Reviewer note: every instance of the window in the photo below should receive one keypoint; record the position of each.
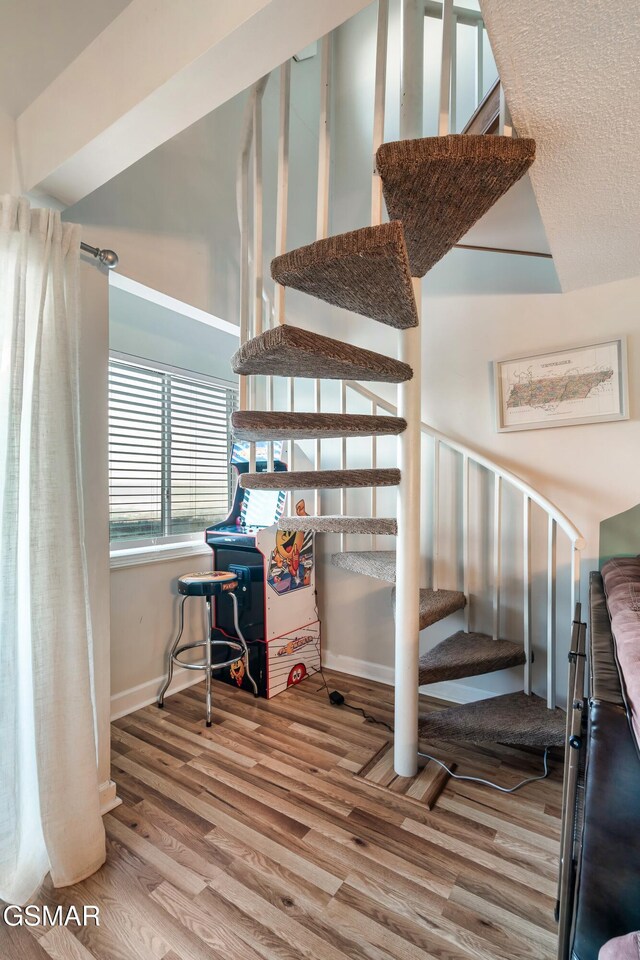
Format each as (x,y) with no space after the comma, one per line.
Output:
(169,470)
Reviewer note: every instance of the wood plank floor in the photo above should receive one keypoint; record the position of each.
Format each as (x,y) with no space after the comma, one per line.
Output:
(254,840)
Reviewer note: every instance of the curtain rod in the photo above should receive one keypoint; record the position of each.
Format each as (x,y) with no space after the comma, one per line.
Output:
(107,257)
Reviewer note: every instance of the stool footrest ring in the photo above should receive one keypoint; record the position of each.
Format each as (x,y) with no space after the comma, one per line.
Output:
(234,644)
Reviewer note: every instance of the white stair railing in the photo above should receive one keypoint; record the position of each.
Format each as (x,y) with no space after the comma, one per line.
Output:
(549,522)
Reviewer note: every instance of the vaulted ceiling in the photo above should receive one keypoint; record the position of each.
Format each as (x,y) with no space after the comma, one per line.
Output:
(39,39)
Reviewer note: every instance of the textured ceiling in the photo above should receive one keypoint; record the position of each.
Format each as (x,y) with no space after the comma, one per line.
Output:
(571,73)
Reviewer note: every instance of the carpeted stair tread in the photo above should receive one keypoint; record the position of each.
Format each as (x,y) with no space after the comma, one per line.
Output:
(513,718)
(341,524)
(319,479)
(365,271)
(436,604)
(288,351)
(263,425)
(468,655)
(380,564)
(440,186)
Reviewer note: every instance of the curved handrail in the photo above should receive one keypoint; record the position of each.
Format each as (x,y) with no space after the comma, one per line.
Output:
(550,508)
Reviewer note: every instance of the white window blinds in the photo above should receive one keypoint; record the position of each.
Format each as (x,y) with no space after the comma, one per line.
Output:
(168,452)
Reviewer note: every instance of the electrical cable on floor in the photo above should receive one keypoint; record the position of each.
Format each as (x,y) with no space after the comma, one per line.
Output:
(489,783)
(336,699)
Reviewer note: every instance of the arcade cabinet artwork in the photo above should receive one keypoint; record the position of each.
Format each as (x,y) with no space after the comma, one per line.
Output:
(276,597)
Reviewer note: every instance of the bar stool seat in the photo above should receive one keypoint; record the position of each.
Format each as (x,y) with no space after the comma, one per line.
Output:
(211,584)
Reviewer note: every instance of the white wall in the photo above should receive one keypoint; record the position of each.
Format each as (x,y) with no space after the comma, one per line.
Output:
(9,181)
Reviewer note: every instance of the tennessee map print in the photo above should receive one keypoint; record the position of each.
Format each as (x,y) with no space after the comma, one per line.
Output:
(581,384)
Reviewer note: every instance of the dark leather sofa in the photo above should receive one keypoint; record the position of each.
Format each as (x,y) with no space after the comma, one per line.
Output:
(607,885)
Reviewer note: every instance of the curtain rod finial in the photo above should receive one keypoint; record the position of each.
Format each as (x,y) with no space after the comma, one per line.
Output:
(109,258)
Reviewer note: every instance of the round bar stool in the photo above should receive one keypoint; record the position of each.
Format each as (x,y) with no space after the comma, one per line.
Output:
(209,585)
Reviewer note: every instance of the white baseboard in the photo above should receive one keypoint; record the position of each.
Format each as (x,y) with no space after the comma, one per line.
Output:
(145,693)
(454,692)
(358,668)
(108,798)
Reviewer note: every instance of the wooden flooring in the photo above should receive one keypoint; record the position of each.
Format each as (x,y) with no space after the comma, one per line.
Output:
(254,840)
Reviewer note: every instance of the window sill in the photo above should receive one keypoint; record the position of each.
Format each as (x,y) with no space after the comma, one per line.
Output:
(140,556)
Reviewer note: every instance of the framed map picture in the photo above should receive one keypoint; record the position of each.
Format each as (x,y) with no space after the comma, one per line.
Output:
(583,384)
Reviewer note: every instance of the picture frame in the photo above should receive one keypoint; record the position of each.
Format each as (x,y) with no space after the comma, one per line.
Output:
(587,383)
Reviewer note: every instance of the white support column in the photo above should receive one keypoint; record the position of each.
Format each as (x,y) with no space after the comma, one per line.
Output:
(407,631)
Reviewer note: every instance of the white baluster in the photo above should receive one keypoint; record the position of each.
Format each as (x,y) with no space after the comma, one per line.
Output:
(374,466)
(497,552)
(479,62)
(283,180)
(465,540)
(526,584)
(551,613)
(343,461)
(445,68)
(379,106)
(322,212)
(435,548)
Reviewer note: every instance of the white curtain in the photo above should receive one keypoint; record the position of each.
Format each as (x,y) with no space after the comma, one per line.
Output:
(49,799)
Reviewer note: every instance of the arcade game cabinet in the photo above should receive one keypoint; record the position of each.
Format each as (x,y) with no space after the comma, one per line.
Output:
(276,570)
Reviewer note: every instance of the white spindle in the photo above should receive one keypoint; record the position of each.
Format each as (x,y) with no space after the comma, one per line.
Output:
(379,106)
(374,466)
(292,446)
(283,180)
(551,613)
(505,125)
(343,460)
(435,549)
(575,576)
(445,68)
(479,62)
(407,630)
(454,76)
(257,217)
(244,266)
(465,539)
(497,552)
(322,211)
(526,586)
(317,452)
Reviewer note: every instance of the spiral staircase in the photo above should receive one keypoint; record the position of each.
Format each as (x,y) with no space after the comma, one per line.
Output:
(435,189)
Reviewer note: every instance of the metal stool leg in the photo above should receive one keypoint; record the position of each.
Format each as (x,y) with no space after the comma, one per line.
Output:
(209,650)
(171,653)
(243,643)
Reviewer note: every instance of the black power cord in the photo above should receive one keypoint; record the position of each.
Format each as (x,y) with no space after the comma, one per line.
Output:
(336,699)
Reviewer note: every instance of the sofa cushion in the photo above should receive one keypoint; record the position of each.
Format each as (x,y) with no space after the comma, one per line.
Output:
(621,577)
(622,948)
